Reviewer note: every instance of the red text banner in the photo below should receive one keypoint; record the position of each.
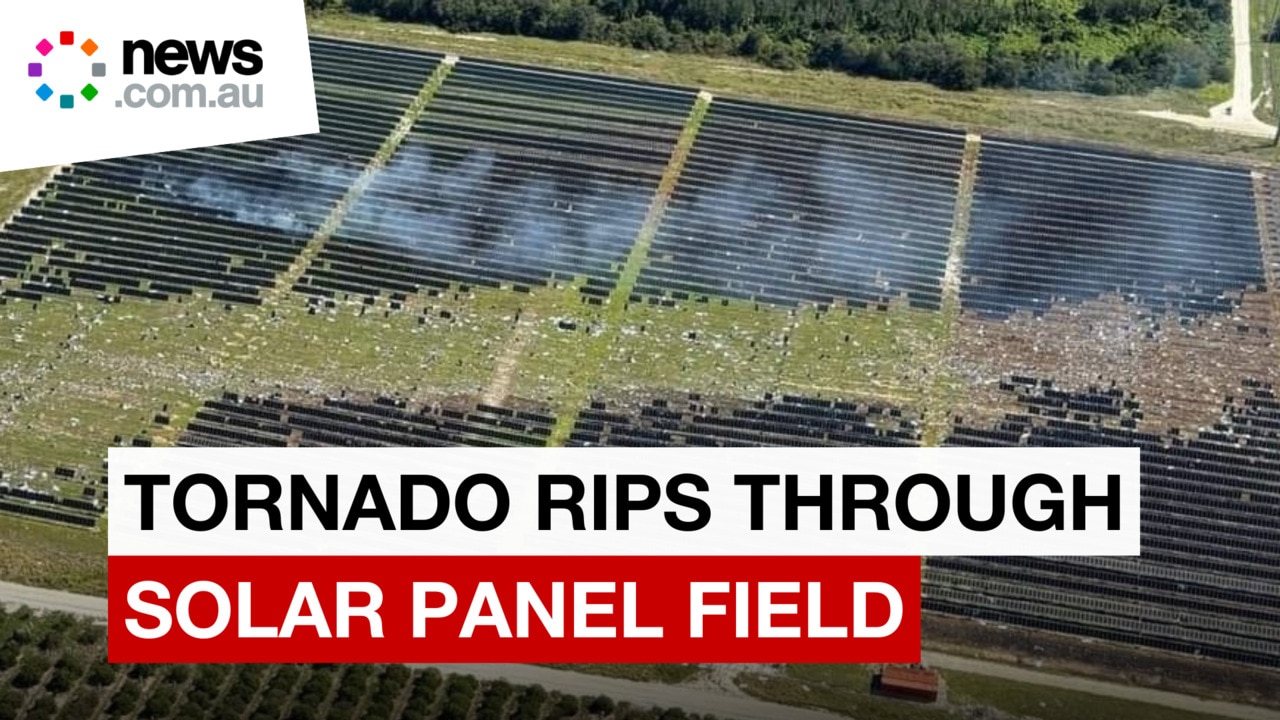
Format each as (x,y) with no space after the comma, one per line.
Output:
(514,609)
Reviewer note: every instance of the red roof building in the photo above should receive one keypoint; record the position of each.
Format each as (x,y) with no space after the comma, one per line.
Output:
(909,683)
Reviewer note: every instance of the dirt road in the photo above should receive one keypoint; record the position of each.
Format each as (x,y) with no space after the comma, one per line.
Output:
(1235,115)
(12,595)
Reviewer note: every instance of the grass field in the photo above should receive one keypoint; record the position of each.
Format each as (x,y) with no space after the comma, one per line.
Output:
(1051,703)
(16,186)
(37,553)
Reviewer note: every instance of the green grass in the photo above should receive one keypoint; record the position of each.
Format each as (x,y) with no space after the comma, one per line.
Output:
(739,349)
(842,689)
(62,558)
(128,361)
(16,186)
(1207,97)
(732,349)
(1018,113)
(442,346)
(136,357)
(1048,703)
(866,352)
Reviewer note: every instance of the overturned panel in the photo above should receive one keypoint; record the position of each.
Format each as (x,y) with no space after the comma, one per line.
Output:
(1066,225)
(512,176)
(224,219)
(789,207)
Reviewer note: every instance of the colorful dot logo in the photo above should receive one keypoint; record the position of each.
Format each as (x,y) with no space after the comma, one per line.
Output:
(66,38)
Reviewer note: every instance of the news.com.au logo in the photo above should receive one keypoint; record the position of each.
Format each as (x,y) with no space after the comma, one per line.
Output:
(66,38)
(178,59)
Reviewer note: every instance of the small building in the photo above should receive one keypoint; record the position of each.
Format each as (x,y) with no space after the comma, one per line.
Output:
(908,683)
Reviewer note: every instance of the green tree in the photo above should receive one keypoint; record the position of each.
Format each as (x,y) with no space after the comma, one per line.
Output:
(81,705)
(958,44)
(125,700)
(44,708)
(600,706)
(31,671)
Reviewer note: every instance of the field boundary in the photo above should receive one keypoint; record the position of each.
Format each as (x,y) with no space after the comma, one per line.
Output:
(939,398)
(968,180)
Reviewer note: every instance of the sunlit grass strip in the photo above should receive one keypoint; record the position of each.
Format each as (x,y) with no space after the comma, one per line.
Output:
(595,350)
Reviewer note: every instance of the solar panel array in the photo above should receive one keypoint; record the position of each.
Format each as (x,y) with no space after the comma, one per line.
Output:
(512,176)
(789,207)
(1208,579)
(82,511)
(225,219)
(1054,224)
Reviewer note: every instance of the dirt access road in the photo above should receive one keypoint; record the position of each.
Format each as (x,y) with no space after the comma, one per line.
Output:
(1235,115)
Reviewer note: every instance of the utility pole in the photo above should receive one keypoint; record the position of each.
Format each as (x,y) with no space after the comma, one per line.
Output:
(1271,66)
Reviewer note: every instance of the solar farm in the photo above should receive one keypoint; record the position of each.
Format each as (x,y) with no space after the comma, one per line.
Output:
(478,253)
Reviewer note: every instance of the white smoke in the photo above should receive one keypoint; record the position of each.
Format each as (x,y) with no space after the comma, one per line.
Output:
(490,212)
(291,190)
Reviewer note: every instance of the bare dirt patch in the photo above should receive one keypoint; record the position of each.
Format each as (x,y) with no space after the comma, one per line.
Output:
(1180,368)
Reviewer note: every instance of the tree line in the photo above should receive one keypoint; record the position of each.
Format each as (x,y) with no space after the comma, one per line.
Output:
(1095,46)
(54,667)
